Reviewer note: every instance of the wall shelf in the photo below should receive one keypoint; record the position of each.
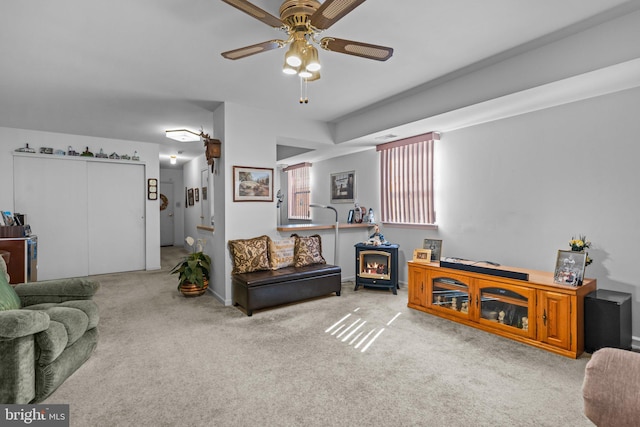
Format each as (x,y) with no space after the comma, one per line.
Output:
(303,227)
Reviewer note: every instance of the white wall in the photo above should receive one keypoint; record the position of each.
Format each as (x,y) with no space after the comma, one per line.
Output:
(249,139)
(515,191)
(11,139)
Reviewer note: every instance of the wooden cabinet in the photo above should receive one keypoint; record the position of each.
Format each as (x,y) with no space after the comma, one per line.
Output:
(537,311)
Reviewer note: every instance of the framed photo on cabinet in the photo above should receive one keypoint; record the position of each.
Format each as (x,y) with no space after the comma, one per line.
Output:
(569,268)
(436,248)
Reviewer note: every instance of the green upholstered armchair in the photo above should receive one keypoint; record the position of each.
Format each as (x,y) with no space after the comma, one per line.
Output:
(45,335)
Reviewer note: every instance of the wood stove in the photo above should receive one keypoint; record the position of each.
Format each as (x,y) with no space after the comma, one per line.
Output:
(377,266)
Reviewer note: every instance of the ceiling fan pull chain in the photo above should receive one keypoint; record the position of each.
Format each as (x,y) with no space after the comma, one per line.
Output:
(303,91)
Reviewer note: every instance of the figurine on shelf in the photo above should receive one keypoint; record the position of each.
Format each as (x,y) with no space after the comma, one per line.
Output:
(25,149)
(525,323)
(454,303)
(135,157)
(87,153)
(377,238)
(501,316)
(464,307)
(72,152)
(102,154)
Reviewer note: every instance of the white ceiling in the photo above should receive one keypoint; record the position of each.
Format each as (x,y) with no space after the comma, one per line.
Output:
(129,70)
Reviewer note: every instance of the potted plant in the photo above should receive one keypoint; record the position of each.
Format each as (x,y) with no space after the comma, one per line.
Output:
(193,270)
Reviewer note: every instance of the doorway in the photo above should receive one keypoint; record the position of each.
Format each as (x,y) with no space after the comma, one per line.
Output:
(167,218)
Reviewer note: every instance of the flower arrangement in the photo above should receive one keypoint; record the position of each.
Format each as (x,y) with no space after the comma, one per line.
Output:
(579,245)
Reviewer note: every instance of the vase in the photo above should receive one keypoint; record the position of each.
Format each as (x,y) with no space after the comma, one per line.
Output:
(191,290)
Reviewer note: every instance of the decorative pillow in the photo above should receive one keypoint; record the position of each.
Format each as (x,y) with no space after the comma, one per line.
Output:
(281,252)
(9,300)
(249,254)
(308,250)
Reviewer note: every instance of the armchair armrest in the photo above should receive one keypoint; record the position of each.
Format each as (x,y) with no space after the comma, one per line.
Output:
(21,323)
(56,291)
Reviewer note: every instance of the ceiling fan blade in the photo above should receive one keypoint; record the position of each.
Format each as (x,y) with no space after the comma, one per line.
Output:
(365,50)
(243,52)
(332,11)
(253,10)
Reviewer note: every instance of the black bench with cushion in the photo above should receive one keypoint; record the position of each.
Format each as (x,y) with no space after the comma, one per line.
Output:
(269,272)
(268,288)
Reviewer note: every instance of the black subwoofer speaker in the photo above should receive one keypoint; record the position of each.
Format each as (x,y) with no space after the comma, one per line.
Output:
(607,320)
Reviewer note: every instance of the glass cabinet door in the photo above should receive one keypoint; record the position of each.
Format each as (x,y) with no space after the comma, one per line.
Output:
(507,307)
(451,295)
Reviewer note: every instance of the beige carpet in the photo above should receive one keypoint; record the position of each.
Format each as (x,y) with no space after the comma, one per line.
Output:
(164,360)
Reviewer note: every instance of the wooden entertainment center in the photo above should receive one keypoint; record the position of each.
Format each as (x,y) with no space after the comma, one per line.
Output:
(536,311)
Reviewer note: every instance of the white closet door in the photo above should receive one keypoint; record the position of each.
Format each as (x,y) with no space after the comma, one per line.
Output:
(116,217)
(53,194)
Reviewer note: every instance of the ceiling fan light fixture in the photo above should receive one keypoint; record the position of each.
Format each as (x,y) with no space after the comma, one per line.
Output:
(295,53)
(305,74)
(311,57)
(288,69)
(182,135)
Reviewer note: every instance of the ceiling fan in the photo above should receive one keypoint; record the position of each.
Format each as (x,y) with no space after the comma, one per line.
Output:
(303,21)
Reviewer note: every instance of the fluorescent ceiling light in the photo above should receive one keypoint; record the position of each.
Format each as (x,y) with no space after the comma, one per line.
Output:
(183,135)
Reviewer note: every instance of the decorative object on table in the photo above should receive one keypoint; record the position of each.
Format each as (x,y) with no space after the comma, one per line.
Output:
(135,156)
(59,153)
(422,255)
(125,157)
(343,187)
(152,189)
(252,184)
(579,245)
(72,152)
(569,268)
(114,156)
(350,216)
(25,149)
(86,153)
(436,248)
(102,155)
(46,150)
(370,217)
(193,270)
(377,238)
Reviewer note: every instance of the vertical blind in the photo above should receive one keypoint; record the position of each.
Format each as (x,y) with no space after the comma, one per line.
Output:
(299,191)
(406,180)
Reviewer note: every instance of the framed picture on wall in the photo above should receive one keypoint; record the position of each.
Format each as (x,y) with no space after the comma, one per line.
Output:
(204,193)
(343,187)
(251,184)
(190,195)
(197,194)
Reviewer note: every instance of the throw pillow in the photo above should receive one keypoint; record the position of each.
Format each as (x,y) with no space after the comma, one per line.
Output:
(9,300)
(249,254)
(308,250)
(281,252)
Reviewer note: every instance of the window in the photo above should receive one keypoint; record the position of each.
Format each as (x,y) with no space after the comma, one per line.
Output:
(299,191)
(406,180)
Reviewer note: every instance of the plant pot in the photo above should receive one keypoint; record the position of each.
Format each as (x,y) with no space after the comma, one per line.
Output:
(191,290)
